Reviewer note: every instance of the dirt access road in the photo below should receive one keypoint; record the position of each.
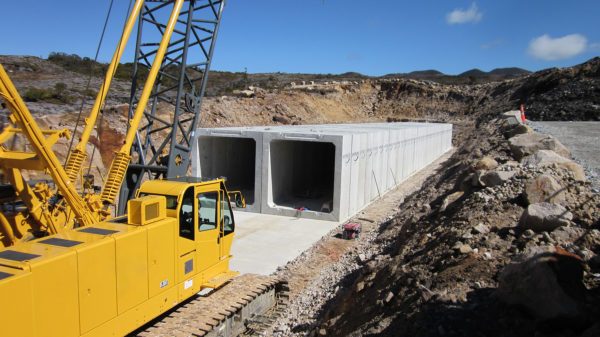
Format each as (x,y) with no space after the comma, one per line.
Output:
(582,138)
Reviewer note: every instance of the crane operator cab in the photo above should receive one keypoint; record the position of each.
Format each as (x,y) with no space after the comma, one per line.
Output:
(206,224)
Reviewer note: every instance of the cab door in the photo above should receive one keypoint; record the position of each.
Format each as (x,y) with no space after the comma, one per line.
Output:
(208,241)
(227,226)
(186,245)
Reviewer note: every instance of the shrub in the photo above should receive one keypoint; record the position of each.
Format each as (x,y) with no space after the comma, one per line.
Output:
(58,94)
(36,94)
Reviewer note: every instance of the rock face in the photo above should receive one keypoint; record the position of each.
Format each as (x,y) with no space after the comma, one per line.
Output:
(548,285)
(545,216)
(529,143)
(544,188)
(548,158)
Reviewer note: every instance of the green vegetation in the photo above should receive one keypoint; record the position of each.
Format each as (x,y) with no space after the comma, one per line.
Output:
(85,65)
(78,64)
(87,92)
(58,94)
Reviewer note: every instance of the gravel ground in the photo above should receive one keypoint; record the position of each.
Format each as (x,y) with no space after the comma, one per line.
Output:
(582,138)
(316,275)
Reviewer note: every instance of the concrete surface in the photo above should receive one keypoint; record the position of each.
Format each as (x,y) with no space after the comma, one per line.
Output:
(326,172)
(582,139)
(264,242)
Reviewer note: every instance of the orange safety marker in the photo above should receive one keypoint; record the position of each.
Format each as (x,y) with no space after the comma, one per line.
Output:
(523,119)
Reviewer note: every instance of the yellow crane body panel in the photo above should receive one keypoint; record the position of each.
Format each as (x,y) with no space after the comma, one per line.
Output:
(113,277)
(16,287)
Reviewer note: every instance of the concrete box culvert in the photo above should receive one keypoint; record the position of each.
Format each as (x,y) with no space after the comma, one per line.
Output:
(303,174)
(234,154)
(327,172)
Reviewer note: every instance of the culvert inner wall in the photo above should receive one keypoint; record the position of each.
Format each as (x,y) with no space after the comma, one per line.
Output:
(302,174)
(234,158)
(293,174)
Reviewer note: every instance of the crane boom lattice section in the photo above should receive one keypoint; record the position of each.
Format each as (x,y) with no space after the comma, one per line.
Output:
(162,146)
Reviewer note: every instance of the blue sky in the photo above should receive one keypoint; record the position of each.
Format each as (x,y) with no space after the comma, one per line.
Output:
(333,36)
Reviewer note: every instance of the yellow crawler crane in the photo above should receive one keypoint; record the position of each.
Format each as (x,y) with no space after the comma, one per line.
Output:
(46,210)
(43,212)
(98,277)
(112,277)
(49,211)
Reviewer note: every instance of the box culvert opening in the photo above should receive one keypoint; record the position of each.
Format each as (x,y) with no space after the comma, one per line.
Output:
(230,157)
(302,174)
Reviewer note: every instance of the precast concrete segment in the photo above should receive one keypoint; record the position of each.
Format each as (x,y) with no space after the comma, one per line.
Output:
(329,171)
(234,153)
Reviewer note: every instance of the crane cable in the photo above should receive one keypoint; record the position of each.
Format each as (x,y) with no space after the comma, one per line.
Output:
(87,87)
(102,115)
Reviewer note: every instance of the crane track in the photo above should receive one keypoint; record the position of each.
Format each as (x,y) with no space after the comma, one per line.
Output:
(245,306)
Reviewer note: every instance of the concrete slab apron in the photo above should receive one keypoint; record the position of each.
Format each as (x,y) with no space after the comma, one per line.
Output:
(264,242)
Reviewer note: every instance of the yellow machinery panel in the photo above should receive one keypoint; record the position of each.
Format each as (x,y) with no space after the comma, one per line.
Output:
(97,279)
(17,302)
(187,268)
(136,317)
(56,308)
(146,210)
(161,249)
(132,269)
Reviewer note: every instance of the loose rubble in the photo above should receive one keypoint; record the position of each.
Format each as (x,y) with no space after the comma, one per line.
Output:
(492,246)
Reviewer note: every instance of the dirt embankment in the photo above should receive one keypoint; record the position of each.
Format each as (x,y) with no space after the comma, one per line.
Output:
(477,251)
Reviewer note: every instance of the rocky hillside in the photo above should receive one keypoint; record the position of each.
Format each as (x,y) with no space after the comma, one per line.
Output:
(473,76)
(552,94)
(504,241)
(59,85)
(56,95)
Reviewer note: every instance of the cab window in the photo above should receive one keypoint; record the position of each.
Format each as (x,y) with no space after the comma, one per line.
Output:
(186,215)
(207,214)
(226,215)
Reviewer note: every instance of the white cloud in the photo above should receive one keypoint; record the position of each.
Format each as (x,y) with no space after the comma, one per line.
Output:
(458,16)
(548,48)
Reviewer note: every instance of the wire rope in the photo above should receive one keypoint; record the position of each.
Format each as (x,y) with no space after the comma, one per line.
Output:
(87,87)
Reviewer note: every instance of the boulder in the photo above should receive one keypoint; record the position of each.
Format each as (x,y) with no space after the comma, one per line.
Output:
(486,163)
(481,228)
(451,198)
(566,235)
(281,119)
(548,158)
(462,248)
(549,286)
(244,93)
(512,117)
(545,216)
(495,178)
(518,129)
(529,143)
(544,188)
